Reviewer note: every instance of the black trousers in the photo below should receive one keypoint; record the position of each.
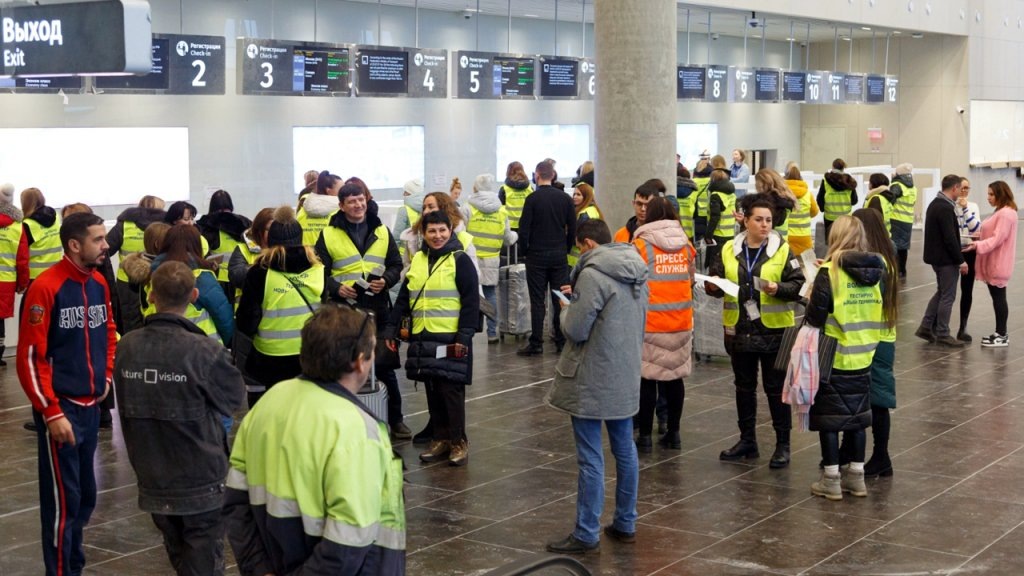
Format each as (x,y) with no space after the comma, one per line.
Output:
(545,272)
(672,391)
(1001,309)
(446,402)
(967,290)
(853,440)
(194,543)
(745,367)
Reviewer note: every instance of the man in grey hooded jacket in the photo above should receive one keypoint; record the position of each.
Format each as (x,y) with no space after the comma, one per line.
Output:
(597,379)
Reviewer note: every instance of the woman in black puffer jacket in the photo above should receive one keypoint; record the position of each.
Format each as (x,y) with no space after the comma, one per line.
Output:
(846,301)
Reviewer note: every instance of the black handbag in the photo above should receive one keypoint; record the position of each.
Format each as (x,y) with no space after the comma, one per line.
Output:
(826,350)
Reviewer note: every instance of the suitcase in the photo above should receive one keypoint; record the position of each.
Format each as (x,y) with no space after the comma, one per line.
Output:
(708,335)
(374,395)
(513,298)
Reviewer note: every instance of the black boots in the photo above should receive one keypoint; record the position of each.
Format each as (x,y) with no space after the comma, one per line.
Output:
(881,424)
(671,440)
(745,448)
(878,465)
(644,444)
(780,458)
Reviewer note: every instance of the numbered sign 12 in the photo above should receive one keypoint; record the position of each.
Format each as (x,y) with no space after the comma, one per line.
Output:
(428,73)
(741,84)
(815,87)
(716,89)
(474,75)
(196,63)
(588,79)
(892,85)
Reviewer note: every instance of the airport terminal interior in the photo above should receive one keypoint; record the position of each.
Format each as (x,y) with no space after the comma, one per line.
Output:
(932,83)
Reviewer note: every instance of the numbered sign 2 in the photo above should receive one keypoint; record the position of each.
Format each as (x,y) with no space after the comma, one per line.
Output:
(196,64)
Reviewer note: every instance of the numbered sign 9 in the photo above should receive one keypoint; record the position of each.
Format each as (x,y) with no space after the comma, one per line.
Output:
(834,88)
(474,75)
(588,79)
(892,85)
(428,73)
(815,87)
(741,84)
(196,64)
(717,86)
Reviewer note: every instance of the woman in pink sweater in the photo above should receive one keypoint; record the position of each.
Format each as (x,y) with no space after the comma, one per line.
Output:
(997,250)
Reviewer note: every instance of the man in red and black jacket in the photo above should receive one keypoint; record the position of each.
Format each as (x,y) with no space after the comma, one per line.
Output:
(66,347)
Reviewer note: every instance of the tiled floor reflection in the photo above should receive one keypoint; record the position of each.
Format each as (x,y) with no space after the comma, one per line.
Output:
(955,504)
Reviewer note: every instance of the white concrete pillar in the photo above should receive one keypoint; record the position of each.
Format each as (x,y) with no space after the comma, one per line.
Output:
(635,102)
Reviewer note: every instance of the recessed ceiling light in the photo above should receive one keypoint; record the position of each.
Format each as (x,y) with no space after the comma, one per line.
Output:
(868,28)
(896,32)
(917,35)
(530,16)
(790,39)
(845,38)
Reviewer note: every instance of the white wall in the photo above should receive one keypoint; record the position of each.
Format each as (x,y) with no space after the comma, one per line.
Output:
(243,143)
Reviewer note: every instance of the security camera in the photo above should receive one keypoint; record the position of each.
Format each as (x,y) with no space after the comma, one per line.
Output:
(467,13)
(753,22)
(714,36)
(960,110)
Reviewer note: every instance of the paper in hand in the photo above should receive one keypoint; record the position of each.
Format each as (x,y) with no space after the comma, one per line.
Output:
(726,285)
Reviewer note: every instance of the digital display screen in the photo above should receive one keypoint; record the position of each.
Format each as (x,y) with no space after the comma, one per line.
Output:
(157,79)
(42,83)
(741,84)
(382,71)
(320,71)
(559,77)
(874,89)
(691,82)
(717,84)
(766,85)
(794,86)
(512,77)
(853,88)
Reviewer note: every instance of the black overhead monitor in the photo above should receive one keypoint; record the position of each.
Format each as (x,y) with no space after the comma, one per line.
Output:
(382,72)
(691,82)
(156,80)
(559,77)
(853,88)
(794,86)
(874,89)
(766,85)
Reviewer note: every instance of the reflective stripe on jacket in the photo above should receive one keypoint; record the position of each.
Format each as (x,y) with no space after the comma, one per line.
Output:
(285,309)
(670,304)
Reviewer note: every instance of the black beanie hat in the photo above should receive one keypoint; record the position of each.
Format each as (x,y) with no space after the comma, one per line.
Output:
(285,234)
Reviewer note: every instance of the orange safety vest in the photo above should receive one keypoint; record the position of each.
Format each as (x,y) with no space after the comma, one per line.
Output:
(670,308)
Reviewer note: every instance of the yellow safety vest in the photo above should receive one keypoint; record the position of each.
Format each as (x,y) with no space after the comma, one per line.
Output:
(726,223)
(574,253)
(414,218)
(436,310)
(856,321)
(347,265)
(837,202)
(799,220)
(10,240)
(702,196)
(131,242)
(686,213)
(488,230)
(204,245)
(775,313)
(312,226)
(783,229)
(249,251)
(903,209)
(285,310)
(45,249)
(225,250)
(887,211)
(514,201)
(199,317)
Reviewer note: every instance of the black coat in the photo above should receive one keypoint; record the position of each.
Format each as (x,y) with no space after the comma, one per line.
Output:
(844,401)
(752,335)
(379,303)
(234,225)
(942,234)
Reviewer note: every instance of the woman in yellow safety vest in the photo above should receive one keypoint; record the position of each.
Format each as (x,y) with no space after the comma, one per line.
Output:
(586,209)
(138,266)
(211,311)
(758,261)
(668,334)
(487,223)
(721,214)
(41,232)
(441,298)
(255,241)
(701,197)
(411,240)
(282,290)
(182,212)
(770,183)
(318,207)
(801,234)
(846,302)
(223,230)
(125,238)
(881,199)
(514,192)
(883,381)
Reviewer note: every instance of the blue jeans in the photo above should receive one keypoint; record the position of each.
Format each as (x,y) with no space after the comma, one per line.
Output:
(590,491)
(491,295)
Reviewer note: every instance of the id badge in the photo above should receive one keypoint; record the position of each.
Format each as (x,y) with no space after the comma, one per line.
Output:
(752,311)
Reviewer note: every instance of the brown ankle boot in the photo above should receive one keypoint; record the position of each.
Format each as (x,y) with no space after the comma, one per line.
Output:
(459,455)
(437,451)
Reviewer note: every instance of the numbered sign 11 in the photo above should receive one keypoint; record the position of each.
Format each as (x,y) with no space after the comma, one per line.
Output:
(834,84)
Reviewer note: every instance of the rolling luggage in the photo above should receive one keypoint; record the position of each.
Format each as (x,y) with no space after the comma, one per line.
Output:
(374,395)
(513,298)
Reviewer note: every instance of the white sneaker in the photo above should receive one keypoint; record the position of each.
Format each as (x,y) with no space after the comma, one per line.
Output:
(995,341)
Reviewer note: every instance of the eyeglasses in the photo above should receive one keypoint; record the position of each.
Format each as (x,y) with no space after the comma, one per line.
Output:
(640,204)
(362,330)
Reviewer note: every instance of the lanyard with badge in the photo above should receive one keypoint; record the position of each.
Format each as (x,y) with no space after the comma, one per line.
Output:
(753,312)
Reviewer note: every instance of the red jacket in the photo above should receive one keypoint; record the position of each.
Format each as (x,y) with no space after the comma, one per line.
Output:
(66,339)
(8,289)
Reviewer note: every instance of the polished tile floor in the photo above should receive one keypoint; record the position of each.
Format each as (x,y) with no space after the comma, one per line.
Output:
(955,504)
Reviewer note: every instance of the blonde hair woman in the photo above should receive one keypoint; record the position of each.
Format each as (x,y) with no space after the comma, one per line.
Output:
(800,236)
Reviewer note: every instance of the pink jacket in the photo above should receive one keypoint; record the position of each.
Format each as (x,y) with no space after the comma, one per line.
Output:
(997,248)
